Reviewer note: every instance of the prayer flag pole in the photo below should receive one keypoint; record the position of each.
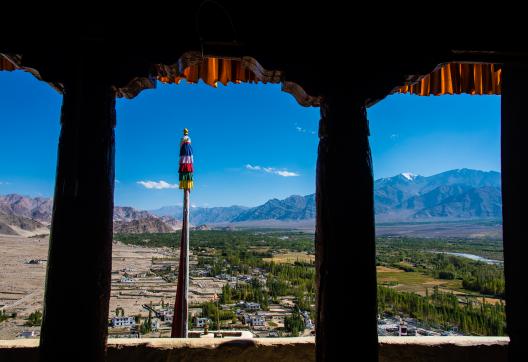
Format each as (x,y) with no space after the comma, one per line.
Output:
(181,307)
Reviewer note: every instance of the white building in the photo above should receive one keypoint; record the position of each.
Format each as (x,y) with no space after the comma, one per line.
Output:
(251,306)
(126,280)
(308,324)
(200,322)
(123,322)
(307,321)
(166,315)
(254,320)
(257,320)
(27,334)
(154,324)
(402,331)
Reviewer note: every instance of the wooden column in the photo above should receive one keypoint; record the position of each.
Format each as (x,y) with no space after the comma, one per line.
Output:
(514,156)
(345,250)
(77,293)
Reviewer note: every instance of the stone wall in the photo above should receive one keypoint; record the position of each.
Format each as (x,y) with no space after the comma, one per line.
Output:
(408,349)
(437,349)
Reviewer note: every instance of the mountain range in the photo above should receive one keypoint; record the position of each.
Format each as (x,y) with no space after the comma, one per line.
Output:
(23,215)
(452,195)
(202,215)
(291,208)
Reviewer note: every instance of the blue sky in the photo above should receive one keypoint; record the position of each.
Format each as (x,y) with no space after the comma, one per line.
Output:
(251,142)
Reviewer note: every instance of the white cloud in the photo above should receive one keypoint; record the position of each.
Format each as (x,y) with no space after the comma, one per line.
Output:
(253,168)
(283,173)
(286,173)
(300,129)
(4,183)
(117,181)
(304,130)
(159,185)
(394,136)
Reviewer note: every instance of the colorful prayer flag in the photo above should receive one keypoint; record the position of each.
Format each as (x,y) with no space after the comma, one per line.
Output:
(186,169)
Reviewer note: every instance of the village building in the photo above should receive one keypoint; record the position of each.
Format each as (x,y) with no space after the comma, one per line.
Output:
(123,321)
(154,324)
(27,334)
(250,306)
(257,320)
(254,319)
(200,322)
(166,314)
(125,279)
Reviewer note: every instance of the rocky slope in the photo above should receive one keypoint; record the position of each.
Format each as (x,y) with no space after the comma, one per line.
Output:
(141,226)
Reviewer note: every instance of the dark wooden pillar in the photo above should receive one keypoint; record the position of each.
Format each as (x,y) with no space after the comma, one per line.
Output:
(345,241)
(77,293)
(514,156)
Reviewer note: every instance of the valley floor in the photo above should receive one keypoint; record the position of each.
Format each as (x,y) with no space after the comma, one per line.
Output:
(23,271)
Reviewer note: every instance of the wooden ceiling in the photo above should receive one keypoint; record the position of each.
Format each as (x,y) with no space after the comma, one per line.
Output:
(313,50)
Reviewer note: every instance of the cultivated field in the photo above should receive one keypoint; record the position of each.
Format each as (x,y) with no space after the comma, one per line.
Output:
(414,281)
(291,257)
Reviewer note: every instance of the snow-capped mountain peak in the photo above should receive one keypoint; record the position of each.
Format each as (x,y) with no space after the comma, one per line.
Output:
(408,175)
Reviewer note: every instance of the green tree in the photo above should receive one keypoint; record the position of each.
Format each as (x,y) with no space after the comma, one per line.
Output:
(3,316)
(294,323)
(226,296)
(146,326)
(34,319)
